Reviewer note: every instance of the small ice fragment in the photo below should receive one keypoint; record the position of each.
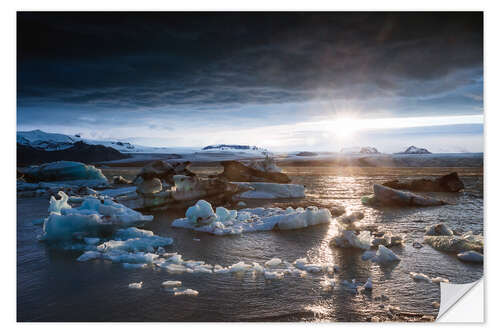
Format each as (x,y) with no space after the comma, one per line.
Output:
(313,268)
(368,285)
(439,279)
(171,284)
(241,204)
(420,277)
(239,267)
(160,250)
(202,269)
(384,256)
(258,268)
(135,285)
(175,268)
(273,275)
(328,283)
(273,262)
(187,292)
(176,259)
(220,269)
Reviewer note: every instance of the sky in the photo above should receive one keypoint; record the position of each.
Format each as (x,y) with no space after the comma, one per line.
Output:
(282,81)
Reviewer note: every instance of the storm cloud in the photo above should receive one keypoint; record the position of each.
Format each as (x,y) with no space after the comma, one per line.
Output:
(161,59)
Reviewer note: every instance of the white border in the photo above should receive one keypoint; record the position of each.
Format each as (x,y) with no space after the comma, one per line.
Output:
(8,109)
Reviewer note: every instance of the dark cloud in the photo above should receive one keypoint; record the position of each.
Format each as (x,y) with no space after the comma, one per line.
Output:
(151,60)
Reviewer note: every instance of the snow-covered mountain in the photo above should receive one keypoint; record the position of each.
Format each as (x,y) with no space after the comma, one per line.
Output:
(46,141)
(55,141)
(245,149)
(415,150)
(360,150)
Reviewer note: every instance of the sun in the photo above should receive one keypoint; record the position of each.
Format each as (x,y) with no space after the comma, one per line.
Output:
(345,127)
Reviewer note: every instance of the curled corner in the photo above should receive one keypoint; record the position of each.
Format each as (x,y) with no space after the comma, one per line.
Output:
(461,302)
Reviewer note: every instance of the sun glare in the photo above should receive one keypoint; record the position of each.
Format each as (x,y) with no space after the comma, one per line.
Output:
(345,127)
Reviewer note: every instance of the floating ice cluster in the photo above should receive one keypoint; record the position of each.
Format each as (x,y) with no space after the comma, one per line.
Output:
(91,218)
(201,217)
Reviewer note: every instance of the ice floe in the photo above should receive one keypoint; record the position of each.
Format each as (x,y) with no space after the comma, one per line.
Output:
(201,217)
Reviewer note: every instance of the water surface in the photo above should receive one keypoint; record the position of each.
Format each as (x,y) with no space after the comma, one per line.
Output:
(53,286)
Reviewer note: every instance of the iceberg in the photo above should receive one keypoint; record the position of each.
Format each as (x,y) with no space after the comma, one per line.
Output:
(61,171)
(201,217)
(91,218)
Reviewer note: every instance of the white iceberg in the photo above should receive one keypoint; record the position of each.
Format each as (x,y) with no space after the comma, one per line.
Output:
(201,217)
(201,213)
(384,256)
(91,217)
